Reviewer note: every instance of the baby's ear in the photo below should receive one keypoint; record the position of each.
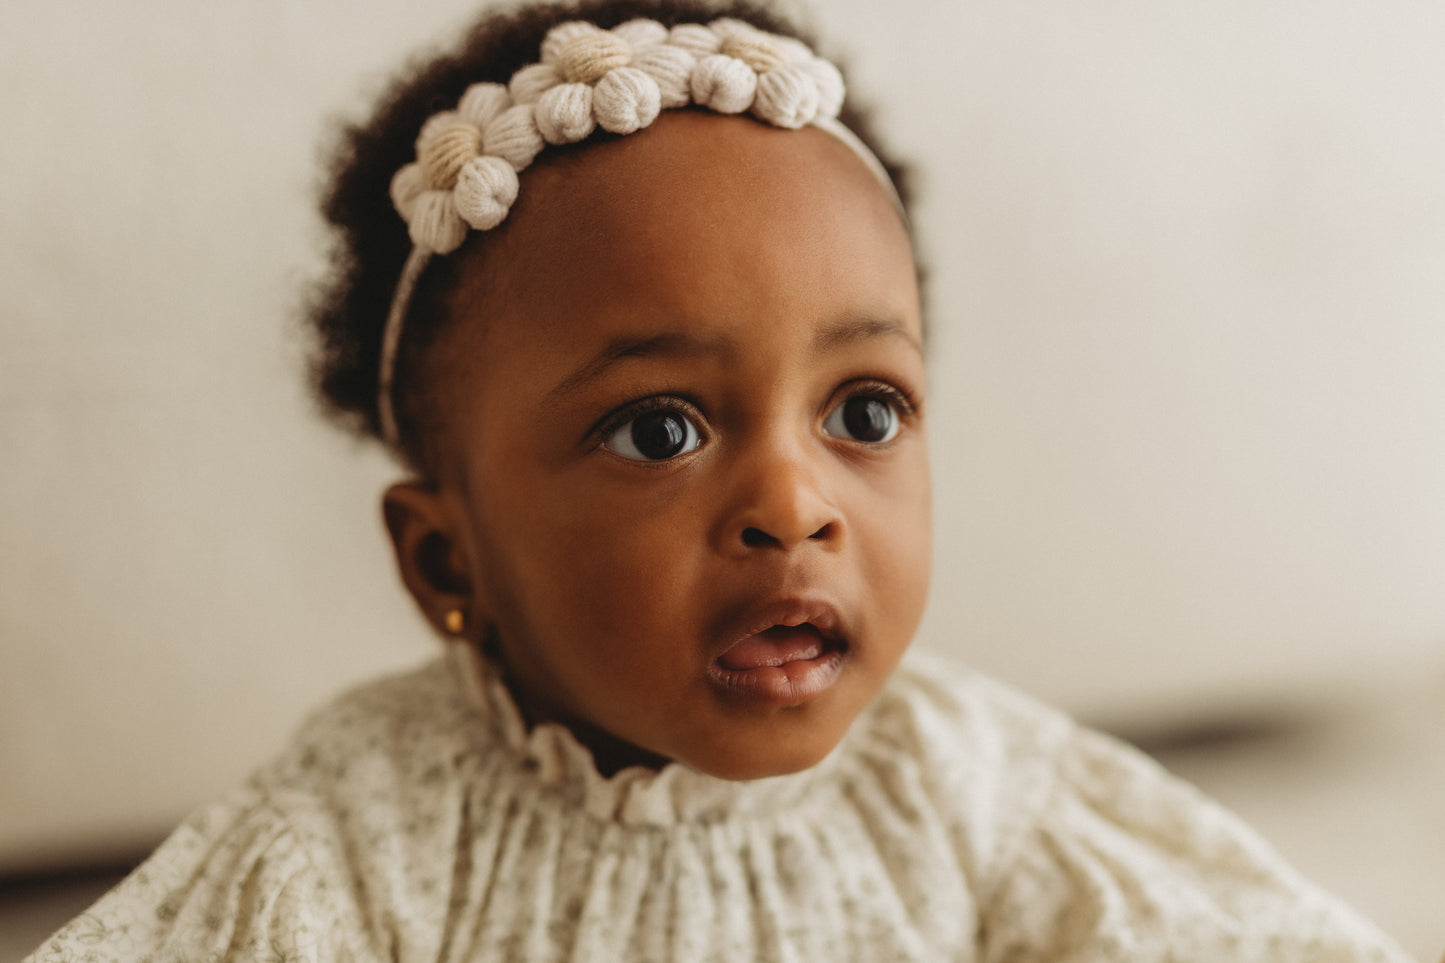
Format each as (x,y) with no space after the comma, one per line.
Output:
(429,555)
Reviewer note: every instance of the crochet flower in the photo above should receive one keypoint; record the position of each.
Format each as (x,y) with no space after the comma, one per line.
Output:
(465,174)
(618,79)
(741,68)
(466,169)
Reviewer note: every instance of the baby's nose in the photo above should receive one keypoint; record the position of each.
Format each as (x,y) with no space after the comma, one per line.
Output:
(780,503)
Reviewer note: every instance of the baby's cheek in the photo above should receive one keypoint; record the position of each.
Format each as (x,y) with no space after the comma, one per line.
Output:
(897,560)
(626,593)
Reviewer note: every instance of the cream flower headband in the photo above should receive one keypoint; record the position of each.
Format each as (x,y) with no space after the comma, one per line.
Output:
(467,159)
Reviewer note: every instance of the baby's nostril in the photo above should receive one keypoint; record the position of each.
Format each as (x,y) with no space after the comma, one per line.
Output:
(757,538)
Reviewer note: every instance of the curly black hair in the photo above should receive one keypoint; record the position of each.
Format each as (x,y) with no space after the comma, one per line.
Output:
(349,305)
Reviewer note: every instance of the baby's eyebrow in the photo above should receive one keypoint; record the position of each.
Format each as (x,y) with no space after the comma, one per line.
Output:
(687,344)
(673,344)
(850,330)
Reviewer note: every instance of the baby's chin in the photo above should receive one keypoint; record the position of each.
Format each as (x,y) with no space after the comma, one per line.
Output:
(762,755)
(738,759)
(745,746)
(762,766)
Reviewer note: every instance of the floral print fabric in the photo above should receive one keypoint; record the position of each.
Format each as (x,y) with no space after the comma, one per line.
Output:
(417,819)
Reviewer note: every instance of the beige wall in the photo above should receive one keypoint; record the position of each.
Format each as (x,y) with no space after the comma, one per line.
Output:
(1187,409)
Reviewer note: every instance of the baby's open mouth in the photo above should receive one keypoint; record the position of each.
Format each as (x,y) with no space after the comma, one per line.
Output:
(782,665)
(778,645)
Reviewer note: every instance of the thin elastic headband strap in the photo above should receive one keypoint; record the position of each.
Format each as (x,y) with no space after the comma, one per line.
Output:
(416,262)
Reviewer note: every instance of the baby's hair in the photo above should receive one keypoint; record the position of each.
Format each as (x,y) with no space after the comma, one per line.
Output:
(370,242)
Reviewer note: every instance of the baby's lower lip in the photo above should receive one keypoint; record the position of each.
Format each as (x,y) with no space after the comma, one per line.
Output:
(784,665)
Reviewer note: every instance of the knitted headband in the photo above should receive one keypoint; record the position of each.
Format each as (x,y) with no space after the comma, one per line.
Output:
(467,159)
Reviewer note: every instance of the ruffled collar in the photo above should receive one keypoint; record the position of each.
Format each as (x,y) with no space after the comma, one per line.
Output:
(550,755)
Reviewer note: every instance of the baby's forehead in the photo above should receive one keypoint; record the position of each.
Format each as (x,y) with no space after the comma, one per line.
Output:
(695,200)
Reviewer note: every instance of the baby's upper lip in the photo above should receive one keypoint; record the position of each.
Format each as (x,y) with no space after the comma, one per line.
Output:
(812,610)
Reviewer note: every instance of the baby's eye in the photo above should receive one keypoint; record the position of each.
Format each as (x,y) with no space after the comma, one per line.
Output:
(654,436)
(865,418)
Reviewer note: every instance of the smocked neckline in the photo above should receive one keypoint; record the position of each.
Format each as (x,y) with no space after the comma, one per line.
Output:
(550,756)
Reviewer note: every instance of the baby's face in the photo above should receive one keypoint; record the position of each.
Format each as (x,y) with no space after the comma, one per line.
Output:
(687,444)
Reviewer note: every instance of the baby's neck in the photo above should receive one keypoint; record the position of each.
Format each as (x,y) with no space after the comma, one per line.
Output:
(610,754)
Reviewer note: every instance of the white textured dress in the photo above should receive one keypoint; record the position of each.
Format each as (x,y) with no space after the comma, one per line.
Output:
(417,819)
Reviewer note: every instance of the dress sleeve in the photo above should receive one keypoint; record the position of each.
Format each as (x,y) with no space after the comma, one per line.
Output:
(1125,862)
(233,883)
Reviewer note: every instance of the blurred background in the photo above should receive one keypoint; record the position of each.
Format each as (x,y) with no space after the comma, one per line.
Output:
(1188,403)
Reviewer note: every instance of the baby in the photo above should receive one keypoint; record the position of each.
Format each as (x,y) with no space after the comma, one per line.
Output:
(627,290)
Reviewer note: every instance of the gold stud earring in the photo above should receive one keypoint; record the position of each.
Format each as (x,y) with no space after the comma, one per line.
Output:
(455,621)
